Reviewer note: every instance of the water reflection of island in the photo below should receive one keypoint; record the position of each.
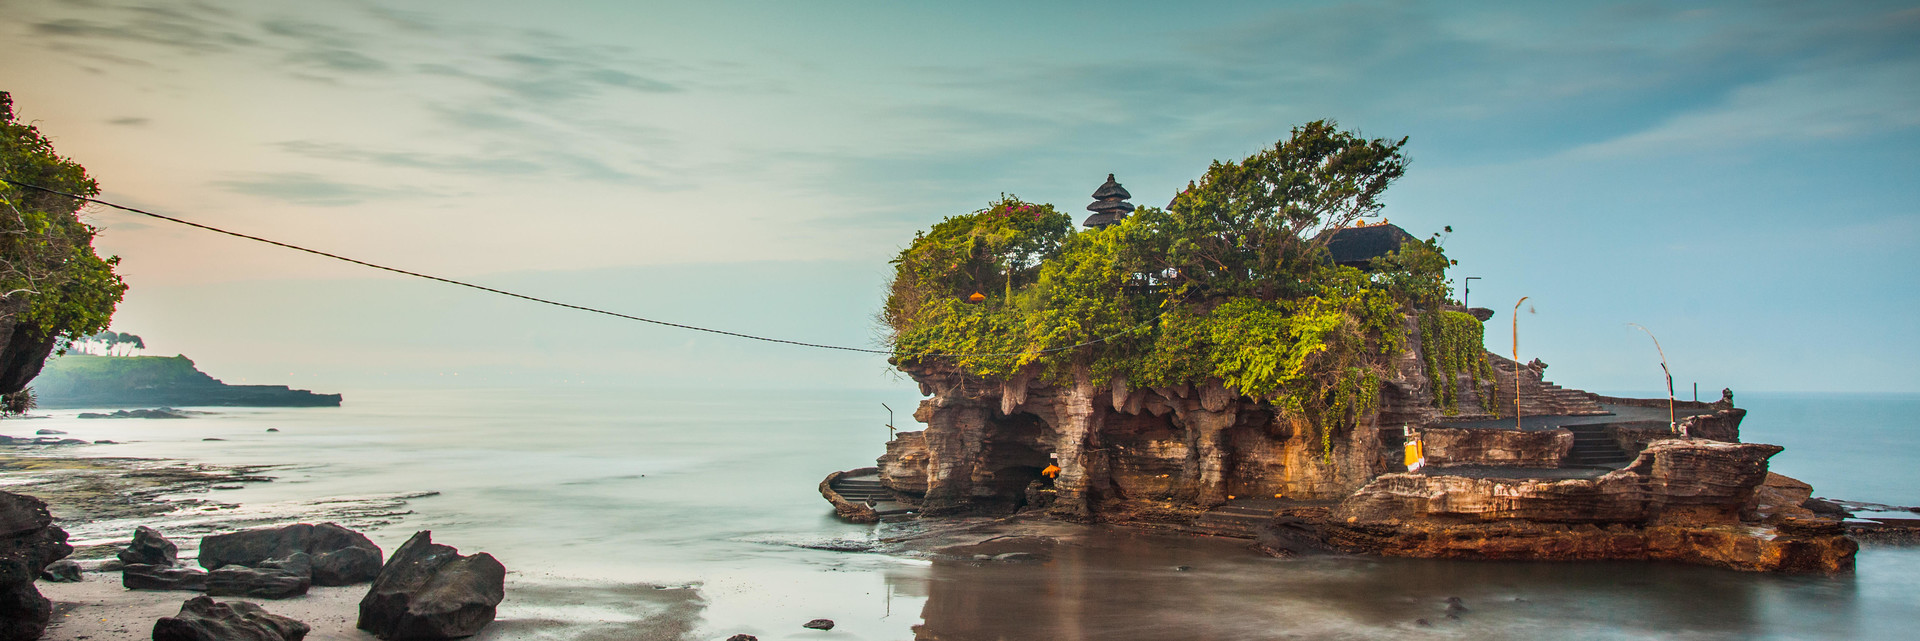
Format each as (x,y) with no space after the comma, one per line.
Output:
(1116,584)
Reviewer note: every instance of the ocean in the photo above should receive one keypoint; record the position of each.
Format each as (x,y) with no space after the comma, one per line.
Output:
(617,509)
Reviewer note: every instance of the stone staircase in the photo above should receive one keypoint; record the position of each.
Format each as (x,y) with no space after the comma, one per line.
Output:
(1538,396)
(868,490)
(1593,448)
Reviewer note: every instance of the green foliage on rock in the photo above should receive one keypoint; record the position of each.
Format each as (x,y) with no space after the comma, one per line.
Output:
(49,273)
(1454,344)
(1230,284)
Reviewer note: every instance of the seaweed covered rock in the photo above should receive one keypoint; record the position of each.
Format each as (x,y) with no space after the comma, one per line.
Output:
(430,591)
(204,619)
(29,542)
(150,548)
(339,556)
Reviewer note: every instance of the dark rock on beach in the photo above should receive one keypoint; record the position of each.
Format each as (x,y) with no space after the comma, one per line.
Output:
(819,624)
(62,571)
(29,542)
(137,576)
(204,619)
(743,637)
(431,591)
(339,556)
(149,548)
(259,583)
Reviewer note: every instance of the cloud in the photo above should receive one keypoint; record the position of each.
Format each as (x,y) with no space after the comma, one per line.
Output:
(1818,104)
(130,121)
(190,27)
(449,163)
(308,189)
(553,74)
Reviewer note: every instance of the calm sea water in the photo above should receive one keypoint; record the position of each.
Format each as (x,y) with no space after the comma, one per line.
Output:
(584,494)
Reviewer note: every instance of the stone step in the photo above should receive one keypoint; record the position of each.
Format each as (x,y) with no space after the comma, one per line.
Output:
(1240,510)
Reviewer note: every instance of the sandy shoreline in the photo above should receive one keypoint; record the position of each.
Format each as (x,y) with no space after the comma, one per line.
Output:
(100,500)
(98,608)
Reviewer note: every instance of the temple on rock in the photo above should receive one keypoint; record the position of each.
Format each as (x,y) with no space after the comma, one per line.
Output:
(1109,205)
(1279,407)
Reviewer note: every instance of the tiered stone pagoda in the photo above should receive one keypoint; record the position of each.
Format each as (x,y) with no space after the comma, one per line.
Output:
(1109,205)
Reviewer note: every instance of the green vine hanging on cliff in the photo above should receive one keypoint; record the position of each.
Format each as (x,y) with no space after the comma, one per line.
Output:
(1454,344)
(1231,283)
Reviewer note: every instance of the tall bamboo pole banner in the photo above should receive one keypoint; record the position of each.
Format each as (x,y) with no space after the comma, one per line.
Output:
(1516,362)
(1673,422)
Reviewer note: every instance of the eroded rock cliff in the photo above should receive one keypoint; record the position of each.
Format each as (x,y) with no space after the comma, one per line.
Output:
(985,442)
(1680,500)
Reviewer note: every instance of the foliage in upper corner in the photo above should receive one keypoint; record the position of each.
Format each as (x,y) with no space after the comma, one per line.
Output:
(1232,282)
(50,276)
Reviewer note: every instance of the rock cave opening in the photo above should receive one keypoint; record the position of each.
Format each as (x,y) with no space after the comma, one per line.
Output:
(1020,448)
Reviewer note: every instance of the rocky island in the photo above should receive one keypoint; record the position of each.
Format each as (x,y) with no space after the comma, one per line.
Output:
(77,380)
(1254,360)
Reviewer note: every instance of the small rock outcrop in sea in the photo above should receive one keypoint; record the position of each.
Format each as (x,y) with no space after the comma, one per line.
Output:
(1680,500)
(61,571)
(270,579)
(818,624)
(29,542)
(139,576)
(149,547)
(162,412)
(339,556)
(430,591)
(204,619)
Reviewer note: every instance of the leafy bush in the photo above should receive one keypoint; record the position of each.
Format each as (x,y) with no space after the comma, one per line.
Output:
(50,276)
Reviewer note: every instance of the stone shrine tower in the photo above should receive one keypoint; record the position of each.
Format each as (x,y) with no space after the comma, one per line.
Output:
(1109,205)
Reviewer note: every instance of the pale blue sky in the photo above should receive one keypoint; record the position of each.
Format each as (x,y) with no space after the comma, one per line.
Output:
(1739,177)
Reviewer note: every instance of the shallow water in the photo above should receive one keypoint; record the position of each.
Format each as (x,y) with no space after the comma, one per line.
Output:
(588,494)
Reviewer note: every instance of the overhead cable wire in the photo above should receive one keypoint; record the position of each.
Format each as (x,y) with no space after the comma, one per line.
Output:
(556,303)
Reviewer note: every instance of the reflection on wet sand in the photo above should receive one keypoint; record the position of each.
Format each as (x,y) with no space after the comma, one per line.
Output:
(1118,584)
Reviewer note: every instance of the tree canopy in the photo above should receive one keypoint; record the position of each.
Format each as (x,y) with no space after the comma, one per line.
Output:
(50,276)
(1229,284)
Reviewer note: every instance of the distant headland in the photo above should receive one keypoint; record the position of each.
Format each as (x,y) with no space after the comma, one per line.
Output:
(77,380)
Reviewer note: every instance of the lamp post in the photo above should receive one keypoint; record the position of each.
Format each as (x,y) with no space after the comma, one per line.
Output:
(1673,423)
(1517,425)
(890,428)
(1468,294)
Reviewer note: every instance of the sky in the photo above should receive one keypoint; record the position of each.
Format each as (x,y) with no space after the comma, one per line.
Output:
(1741,178)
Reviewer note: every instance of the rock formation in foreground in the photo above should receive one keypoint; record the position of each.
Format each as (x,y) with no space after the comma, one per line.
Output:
(336,555)
(430,591)
(204,619)
(29,542)
(149,547)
